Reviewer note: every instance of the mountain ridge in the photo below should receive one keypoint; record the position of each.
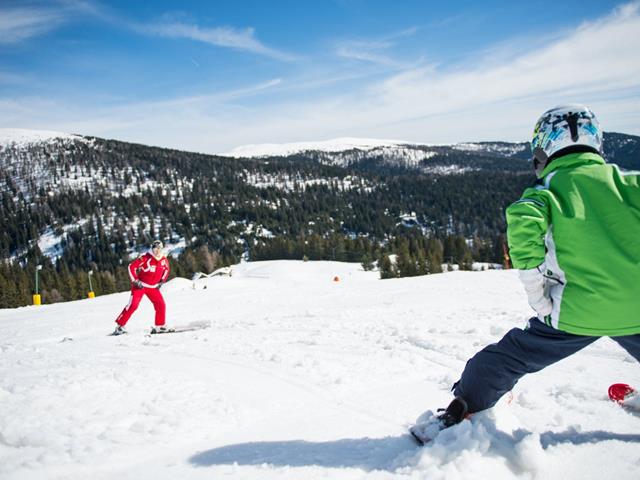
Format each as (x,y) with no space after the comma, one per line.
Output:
(78,203)
(22,136)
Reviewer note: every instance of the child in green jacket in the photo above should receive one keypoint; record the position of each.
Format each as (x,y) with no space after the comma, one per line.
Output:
(575,237)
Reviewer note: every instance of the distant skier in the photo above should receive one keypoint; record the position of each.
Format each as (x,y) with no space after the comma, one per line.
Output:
(575,237)
(148,272)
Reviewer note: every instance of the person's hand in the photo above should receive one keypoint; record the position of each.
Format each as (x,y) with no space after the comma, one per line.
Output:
(534,281)
(160,283)
(137,284)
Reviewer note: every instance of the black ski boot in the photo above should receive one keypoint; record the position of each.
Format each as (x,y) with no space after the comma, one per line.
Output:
(454,413)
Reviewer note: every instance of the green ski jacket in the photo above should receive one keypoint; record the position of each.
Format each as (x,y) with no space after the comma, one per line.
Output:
(582,220)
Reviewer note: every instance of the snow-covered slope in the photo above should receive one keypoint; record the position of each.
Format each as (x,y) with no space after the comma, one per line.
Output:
(21,136)
(426,158)
(386,147)
(334,145)
(299,376)
(500,148)
(344,152)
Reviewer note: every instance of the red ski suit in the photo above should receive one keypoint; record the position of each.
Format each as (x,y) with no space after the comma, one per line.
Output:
(151,272)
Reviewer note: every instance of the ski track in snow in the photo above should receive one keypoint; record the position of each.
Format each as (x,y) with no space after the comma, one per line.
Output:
(299,376)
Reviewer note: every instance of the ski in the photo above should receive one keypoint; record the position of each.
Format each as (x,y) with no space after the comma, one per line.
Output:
(427,429)
(430,424)
(185,328)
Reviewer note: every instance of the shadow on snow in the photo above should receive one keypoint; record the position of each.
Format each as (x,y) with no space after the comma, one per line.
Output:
(364,453)
(550,439)
(388,453)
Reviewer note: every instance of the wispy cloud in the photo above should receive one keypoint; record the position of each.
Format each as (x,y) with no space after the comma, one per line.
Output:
(597,56)
(21,23)
(242,39)
(375,51)
(365,53)
(594,63)
(485,99)
(238,39)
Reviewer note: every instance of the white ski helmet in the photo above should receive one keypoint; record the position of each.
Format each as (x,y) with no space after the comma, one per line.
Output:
(563,127)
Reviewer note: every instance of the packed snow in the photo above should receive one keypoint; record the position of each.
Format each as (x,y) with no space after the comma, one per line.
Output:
(303,370)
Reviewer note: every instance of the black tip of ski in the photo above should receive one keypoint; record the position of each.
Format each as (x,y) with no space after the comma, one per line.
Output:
(416,438)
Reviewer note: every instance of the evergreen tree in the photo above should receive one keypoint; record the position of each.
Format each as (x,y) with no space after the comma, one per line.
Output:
(405,262)
(435,254)
(367,262)
(387,269)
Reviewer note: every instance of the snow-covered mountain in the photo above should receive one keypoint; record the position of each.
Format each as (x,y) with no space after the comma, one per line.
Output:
(299,376)
(363,144)
(439,159)
(344,152)
(340,152)
(36,162)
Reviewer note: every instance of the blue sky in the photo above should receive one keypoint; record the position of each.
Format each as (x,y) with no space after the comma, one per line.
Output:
(211,76)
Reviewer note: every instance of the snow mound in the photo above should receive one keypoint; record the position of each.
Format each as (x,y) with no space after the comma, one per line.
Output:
(297,271)
(177,285)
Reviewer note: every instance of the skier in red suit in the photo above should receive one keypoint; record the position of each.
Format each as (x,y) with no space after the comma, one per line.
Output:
(148,272)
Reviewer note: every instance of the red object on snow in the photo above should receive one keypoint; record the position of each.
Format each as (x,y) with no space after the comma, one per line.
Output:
(618,392)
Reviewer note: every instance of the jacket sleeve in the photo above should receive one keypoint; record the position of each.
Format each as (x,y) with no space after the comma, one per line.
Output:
(133,268)
(527,222)
(167,269)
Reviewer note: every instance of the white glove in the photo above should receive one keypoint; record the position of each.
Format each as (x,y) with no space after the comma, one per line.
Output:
(534,282)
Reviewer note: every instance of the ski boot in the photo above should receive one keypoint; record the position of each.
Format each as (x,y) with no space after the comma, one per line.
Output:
(119,331)
(161,329)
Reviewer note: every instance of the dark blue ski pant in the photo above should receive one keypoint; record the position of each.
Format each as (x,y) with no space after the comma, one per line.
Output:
(494,371)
